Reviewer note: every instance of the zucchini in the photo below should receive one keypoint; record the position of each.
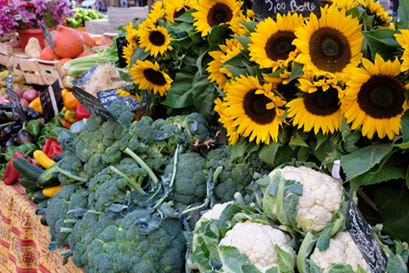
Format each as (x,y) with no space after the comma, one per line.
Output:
(26,169)
(49,177)
(37,196)
(29,184)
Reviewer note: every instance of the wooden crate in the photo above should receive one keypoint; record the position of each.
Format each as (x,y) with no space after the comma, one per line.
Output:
(6,53)
(38,71)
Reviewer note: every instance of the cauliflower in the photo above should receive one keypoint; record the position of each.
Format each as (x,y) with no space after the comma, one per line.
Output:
(342,250)
(237,238)
(303,198)
(259,243)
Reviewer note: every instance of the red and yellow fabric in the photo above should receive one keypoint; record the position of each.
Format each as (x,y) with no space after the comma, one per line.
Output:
(23,239)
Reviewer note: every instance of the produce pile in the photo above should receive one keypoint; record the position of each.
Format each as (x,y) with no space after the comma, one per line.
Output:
(232,169)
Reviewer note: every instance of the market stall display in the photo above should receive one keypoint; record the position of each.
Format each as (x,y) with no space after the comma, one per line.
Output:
(165,149)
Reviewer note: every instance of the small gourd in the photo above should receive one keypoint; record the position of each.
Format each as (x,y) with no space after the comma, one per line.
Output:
(33,48)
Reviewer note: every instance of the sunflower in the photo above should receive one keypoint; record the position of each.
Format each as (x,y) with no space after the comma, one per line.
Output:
(226,121)
(329,45)
(403,39)
(148,75)
(271,43)
(156,12)
(218,73)
(128,52)
(382,17)
(375,99)
(175,8)
(131,34)
(253,110)
(316,111)
(156,40)
(211,13)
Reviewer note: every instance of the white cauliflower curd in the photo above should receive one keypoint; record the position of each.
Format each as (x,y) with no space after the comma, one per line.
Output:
(258,242)
(321,196)
(342,250)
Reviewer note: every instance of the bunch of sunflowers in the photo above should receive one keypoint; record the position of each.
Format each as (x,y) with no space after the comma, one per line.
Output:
(328,87)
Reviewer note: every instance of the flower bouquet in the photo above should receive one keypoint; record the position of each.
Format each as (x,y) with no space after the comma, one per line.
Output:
(329,88)
(19,15)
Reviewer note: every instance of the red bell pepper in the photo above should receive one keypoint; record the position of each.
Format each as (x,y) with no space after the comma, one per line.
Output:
(10,174)
(81,112)
(51,147)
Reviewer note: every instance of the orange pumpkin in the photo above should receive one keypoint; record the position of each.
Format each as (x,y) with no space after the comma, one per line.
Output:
(68,42)
(85,52)
(88,40)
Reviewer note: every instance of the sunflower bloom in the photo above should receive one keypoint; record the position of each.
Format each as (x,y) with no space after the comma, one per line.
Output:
(252,110)
(403,39)
(175,8)
(149,76)
(271,43)
(211,13)
(375,99)
(226,121)
(128,52)
(382,17)
(155,40)
(329,45)
(318,110)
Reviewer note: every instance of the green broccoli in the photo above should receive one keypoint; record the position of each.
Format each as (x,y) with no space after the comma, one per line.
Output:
(70,197)
(236,173)
(139,242)
(120,110)
(189,182)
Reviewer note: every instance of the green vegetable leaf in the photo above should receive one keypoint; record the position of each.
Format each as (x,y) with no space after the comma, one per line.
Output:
(403,14)
(178,94)
(370,178)
(364,159)
(234,261)
(394,211)
(285,260)
(381,41)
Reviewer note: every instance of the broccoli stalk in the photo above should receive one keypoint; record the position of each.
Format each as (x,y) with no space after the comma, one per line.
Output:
(142,163)
(132,184)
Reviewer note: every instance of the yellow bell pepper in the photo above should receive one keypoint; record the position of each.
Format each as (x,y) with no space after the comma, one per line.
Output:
(36,105)
(51,191)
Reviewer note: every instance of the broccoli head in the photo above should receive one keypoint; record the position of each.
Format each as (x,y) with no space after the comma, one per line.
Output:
(142,241)
(190,182)
(236,173)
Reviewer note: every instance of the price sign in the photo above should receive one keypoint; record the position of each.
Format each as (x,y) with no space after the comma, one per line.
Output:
(106,97)
(92,104)
(51,101)
(362,234)
(270,8)
(14,98)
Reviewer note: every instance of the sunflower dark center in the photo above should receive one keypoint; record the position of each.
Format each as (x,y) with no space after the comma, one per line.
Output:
(255,108)
(219,14)
(155,77)
(157,38)
(329,50)
(381,97)
(279,46)
(322,103)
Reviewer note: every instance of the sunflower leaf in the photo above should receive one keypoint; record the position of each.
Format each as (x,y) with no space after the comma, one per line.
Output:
(377,177)
(394,211)
(403,14)
(178,94)
(362,160)
(405,126)
(381,41)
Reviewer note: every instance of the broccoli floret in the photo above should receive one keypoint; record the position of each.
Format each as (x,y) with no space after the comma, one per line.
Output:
(111,132)
(190,182)
(94,164)
(120,110)
(69,197)
(70,163)
(139,242)
(236,173)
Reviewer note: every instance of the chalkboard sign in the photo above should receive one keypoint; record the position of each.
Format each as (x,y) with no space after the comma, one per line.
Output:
(121,42)
(51,101)
(14,99)
(362,234)
(270,8)
(92,104)
(106,97)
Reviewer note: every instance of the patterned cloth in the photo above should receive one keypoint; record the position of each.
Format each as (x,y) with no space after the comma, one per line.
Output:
(23,239)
